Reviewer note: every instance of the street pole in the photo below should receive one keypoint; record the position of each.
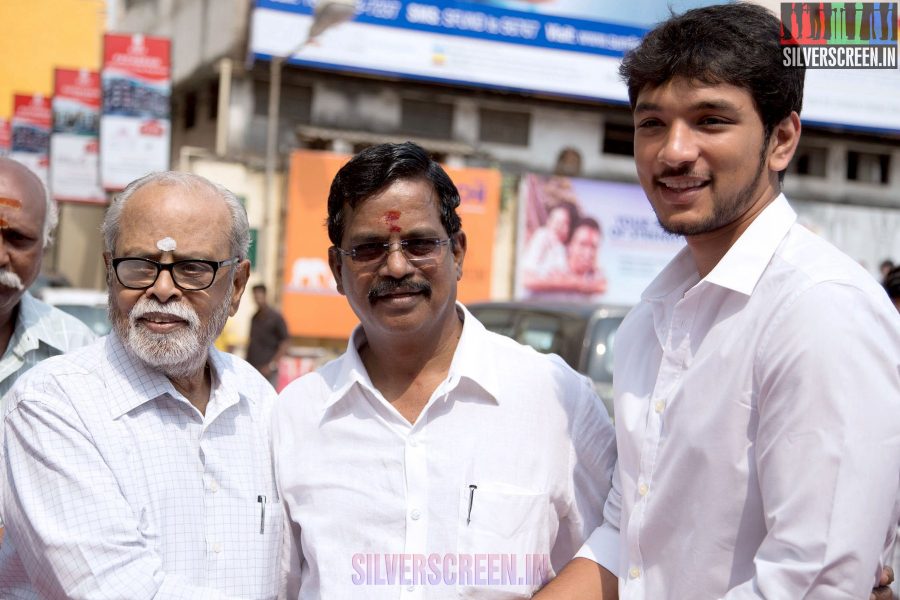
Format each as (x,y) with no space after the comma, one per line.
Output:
(328,13)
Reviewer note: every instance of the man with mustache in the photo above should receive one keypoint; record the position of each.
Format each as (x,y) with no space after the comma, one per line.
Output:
(138,466)
(433,453)
(757,383)
(30,330)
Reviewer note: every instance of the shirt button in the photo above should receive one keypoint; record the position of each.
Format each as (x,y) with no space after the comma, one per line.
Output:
(213,486)
(217,547)
(643,489)
(634,573)
(415,514)
(410,588)
(659,406)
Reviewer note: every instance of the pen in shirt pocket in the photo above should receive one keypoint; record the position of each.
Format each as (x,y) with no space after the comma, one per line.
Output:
(472,489)
(262,513)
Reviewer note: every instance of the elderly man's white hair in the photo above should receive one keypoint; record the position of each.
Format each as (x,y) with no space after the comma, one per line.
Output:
(51,214)
(240,226)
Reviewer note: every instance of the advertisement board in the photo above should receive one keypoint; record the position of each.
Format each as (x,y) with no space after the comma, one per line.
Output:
(31,123)
(311,304)
(569,48)
(581,240)
(135,124)
(74,144)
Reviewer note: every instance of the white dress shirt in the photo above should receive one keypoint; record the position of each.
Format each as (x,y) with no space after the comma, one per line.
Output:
(115,486)
(758,425)
(367,492)
(41,331)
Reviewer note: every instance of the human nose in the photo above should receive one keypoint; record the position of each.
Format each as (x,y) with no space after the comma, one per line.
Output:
(679,146)
(164,288)
(396,264)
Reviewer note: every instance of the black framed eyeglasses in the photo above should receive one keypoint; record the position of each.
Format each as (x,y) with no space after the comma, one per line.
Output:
(418,251)
(192,275)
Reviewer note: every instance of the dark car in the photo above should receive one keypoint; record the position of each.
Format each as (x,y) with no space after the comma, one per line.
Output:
(581,334)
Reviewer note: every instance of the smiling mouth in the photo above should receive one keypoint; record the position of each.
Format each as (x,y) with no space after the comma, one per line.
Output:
(682,184)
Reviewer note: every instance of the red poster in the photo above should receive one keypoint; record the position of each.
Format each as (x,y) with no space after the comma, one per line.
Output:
(5,137)
(31,132)
(74,145)
(135,126)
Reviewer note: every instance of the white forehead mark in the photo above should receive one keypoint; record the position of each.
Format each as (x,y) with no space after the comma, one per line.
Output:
(166,244)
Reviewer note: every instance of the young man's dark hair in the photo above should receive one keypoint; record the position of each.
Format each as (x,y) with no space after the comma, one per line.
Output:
(376,168)
(736,44)
(260,287)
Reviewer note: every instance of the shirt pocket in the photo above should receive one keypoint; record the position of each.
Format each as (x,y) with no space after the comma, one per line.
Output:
(503,541)
(265,519)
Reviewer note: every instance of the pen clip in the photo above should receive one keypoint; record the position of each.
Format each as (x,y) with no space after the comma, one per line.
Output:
(472,488)
(262,513)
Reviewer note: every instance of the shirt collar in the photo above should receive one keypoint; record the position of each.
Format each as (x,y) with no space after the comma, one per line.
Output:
(743,265)
(35,324)
(133,383)
(471,360)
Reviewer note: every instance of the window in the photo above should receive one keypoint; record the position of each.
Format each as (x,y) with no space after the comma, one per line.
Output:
(504,127)
(427,118)
(295,102)
(868,167)
(190,110)
(213,108)
(618,138)
(809,161)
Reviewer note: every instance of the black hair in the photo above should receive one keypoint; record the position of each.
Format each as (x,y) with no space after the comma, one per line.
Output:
(260,287)
(737,44)
(590,223)
(892,283)
(377,167)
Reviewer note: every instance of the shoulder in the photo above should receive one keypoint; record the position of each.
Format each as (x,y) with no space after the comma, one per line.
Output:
(248,380)
(56,380)
(61,330)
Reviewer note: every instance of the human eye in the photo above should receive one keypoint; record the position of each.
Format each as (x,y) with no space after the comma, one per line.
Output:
(17,238)
(421,246)
(714,121)
(368,251)
(649,123)
(193,268)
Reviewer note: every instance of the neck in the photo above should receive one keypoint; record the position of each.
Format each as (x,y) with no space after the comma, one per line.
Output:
(407,369)
(195,387)
(709,248)
(7,327)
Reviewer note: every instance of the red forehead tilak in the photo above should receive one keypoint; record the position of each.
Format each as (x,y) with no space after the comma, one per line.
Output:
(390,219)
(10,203)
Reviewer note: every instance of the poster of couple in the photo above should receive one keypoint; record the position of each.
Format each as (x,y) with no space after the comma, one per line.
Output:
(583,240)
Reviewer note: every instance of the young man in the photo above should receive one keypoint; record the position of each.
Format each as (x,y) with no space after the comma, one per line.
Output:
(757,384)
(434,459)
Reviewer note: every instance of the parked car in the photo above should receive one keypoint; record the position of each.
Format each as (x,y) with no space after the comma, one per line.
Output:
(581,334)
(89,306)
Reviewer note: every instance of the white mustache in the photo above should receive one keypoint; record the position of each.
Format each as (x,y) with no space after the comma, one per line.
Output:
(146,305)
(11,280)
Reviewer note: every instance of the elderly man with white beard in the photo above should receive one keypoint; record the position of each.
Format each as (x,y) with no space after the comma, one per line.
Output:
(138,466)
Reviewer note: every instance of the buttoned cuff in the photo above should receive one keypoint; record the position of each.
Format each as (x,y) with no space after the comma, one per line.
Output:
(602,548)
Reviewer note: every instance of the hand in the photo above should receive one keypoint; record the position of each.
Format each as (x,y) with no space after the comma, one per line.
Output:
(883,591)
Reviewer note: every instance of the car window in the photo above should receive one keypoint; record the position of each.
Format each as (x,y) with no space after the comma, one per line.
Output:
(600,350)
(498,320)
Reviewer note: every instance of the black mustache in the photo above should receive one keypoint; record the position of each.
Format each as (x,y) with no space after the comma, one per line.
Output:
(385,287)
(684,171)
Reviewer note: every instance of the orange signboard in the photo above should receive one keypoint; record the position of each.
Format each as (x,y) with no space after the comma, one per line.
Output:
(311,303)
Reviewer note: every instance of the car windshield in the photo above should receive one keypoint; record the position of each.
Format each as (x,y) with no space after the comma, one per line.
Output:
(600,350)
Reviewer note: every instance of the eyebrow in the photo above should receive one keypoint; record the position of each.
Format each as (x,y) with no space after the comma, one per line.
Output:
(702,105)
